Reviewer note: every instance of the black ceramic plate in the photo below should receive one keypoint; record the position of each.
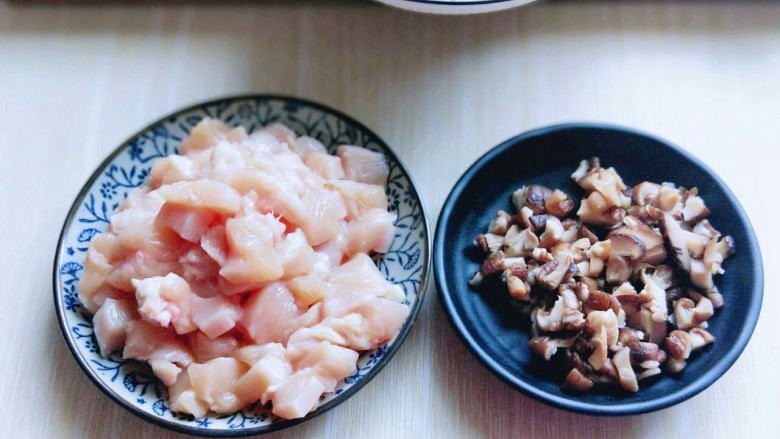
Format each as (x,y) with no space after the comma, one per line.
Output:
(498,335)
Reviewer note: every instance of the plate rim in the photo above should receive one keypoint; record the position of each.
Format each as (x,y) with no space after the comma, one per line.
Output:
(280,425)
(620,409)
(456,7)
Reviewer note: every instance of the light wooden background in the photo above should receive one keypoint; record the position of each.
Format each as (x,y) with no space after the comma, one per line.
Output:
(75,82)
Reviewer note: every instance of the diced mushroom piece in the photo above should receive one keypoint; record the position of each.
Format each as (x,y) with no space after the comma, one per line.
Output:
(627,246)
(583,169)
(656,303)
(678,345)
(571,232)
(553,320)
(577,382)
(652,241)
(644,193)
(519,242)
(648,373)
(489,242)
(524,217)
(699,338)
(661,275)
(546,347)
(538,222)
(675,366)
(516,272)
(677,242)
(597,210)
(701,276)
(553,232)
(541,255)
(518,199)
(604,327)
(601,249)
(668,199)
(629,335)
(559,204)
(477,279)
(627,377)
(587,233)
(535,196)
(494,264)
(683,313)
(642,353)
(628,298)
(704,228)
(553,272)
(716,251)
(653,330)
(494,242)
(694,209)
(619,269)
(500,224)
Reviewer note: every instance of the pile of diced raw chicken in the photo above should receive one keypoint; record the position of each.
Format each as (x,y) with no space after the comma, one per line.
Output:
(241,272)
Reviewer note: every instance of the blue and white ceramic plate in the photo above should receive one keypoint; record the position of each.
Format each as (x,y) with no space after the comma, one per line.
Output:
(455,7)
(130,383)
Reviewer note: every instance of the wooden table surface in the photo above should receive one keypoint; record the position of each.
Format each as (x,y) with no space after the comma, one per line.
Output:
(77,81)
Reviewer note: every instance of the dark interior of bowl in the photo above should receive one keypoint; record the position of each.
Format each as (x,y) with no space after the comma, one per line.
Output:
(498,335)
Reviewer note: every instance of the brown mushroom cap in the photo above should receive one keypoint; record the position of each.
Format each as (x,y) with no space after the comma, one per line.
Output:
(559,204)
(652,241)
(535,197)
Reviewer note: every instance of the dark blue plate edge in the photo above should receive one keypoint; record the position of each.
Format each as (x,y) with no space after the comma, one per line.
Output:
(619,409)
(277,426)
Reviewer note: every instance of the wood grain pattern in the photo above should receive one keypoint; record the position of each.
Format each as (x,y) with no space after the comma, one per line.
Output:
(75,82)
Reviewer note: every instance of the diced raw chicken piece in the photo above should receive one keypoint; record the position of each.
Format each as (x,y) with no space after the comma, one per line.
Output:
(283,134)
(278,197)
(251,354)
(188,222)
(324,212)
(171,169)
(207,194)
(164,300)
(110,324)
(333,249)
(196,265)
(134,225)
(360,197)
(269,314)
(298,395)
(214,316)
(183,398)
(208,132)
(384,318)
(224,160)
(348,331)
(330,362)
(343,301)
(325,165)
(266,375)
(252,257)
(261,144)
(146,341)
(96,269)
(360,274)
(166,371)
(296,254)
(363,165)
(206,349)
(142,265)
(215,383)
(214,243)
(310,318)
(373,231)
(313,286)
(308,144)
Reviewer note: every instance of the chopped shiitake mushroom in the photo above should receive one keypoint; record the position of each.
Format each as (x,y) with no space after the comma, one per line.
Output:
(622,290)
